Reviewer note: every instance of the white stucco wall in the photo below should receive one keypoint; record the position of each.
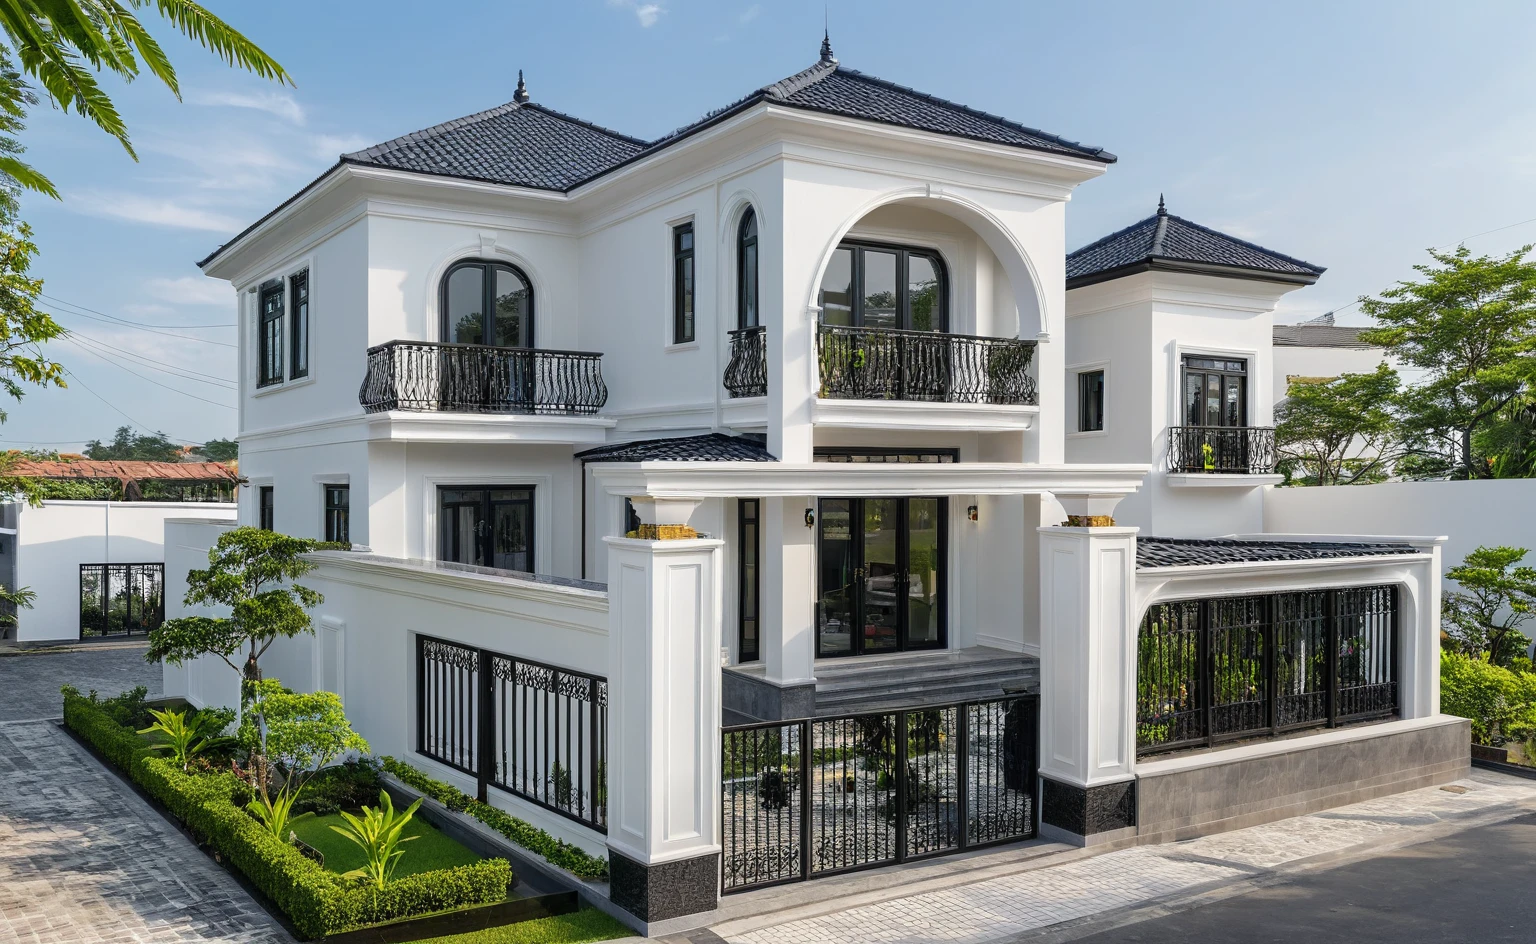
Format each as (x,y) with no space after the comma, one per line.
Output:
(1291,361)
(55,539)
(207,680)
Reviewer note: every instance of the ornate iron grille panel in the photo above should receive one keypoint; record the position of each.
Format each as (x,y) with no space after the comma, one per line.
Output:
(892,364)
(746,375)
(478,378)
(1241,450)
(447,687)
(1242,667)
(550,737)
(817,797)
(121,599)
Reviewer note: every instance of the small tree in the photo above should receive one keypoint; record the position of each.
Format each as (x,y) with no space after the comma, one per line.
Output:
(1470,326)
(250,571)
(1497,597)
(1339,430)
(299,735)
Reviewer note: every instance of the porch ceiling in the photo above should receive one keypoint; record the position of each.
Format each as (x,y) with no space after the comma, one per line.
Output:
(788,480)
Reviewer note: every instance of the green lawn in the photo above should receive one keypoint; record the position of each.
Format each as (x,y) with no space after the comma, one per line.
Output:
(432,850)
(586,925)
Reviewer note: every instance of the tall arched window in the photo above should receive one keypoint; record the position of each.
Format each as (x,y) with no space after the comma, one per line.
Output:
(487,303)
(746,271)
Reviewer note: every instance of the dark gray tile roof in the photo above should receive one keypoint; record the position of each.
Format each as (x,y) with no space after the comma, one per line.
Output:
(1152,552)
(1310,335)
(711,447)
(1165,241)
(522,144)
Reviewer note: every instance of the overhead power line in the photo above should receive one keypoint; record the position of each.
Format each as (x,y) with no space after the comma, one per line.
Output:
(108,319)
(175,370)
(157,383)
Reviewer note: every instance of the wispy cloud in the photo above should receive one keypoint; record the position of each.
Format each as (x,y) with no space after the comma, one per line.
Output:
(331,145)
(190,290)
(137,209)
(749,14)
(280,104)
(646,13)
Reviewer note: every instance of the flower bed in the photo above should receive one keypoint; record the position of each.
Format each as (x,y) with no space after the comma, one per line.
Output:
(317,901)
(530,837)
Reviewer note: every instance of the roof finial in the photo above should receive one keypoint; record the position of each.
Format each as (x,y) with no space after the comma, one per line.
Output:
(1161,210)
(826,46)
(521,95)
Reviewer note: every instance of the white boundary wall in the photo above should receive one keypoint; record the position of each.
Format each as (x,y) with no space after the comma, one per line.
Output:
(1492,512)
(207,681)
(55,539)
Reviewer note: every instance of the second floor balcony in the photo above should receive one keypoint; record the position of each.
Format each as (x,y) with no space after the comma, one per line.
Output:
(419,376)
(1221,450)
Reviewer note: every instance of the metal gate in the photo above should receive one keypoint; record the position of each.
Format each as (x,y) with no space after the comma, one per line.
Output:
(803,799)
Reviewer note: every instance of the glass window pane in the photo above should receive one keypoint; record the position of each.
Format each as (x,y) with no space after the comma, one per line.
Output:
(837,289)
(749,285)
(512,537)
(882,574)
(466,298)
(835,563)
(880,289)
(1212,399)
(923,291)
(923,568)
(512,309)
(1234,402)
(1193,385)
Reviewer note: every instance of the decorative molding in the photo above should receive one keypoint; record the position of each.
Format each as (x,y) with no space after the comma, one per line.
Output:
(1221,480)
(922,415)
(790,479)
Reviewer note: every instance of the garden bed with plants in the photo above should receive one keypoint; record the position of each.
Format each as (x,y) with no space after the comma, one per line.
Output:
(380,864)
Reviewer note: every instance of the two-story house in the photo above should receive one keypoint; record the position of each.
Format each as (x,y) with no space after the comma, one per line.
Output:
(722,505)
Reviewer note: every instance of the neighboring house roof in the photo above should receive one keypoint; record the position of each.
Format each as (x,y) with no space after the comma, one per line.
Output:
(1171,243)
(1152,552)
(711,447)
(1320,332)
(124,470)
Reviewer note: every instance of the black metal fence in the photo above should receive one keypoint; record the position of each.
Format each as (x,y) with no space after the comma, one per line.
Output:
(890,364)
(121,599)
(478,378)
(1245,667)
(809,798)
(746,375)
(1242,450)
(536,731)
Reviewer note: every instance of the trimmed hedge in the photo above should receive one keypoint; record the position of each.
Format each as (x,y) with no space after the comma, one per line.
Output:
(318,902)
(556,851)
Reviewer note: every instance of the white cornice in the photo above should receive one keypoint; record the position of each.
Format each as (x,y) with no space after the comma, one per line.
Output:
(916,414)
(782,479)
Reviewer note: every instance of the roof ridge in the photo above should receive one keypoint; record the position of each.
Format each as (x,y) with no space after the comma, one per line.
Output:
(1112,236)
(801,80)
(1243,242)
(585,123)
(1159,234)
(414,136)
(976,112)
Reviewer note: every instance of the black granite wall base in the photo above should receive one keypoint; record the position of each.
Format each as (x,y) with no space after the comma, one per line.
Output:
(665,890)
(1084,811)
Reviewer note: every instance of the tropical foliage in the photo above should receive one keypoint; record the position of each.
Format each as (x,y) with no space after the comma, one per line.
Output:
(1497,597)
(127,444)
(186,734)
(1500,702)
(1339,430)
(378,832)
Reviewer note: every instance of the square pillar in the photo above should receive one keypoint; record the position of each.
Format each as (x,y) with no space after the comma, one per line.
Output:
(788,595)
(1087,680)
(665,613)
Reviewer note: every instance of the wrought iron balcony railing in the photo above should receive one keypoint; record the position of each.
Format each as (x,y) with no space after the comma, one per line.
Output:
(747,373)
(1240,450)
(890,364)
(475,378)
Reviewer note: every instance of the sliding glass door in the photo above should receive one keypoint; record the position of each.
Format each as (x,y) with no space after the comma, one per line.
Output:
(487,527)
(880,575)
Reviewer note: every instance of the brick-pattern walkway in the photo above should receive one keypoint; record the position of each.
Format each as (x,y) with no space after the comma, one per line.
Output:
(998,908)
(84,860)
(29,681)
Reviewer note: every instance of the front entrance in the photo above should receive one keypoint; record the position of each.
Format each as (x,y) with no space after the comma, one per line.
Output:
(880,575)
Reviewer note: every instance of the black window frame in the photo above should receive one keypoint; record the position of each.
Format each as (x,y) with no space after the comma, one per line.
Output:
(269,333)
(1090,401)
(488,513)
(1227,367)
(749,515)
(684,285)
(133,577)
(298,325)
(337,504)
(748,312)
(487,269)
(265,507)
(879,454)
(903,273)
(857,648)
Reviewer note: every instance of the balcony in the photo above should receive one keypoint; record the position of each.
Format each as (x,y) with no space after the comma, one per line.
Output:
(483,393)
(1221,455)
(746,375)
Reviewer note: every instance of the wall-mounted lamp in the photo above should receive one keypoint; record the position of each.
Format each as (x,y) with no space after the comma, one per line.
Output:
(971,512)
(810,517)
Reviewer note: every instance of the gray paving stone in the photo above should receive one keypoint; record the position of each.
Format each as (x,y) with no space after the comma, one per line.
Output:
(84,860)
(29,681)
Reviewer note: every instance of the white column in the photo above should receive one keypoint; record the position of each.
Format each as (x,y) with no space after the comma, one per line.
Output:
(664,621)
(1419,638)
(788,592)
(1087,681)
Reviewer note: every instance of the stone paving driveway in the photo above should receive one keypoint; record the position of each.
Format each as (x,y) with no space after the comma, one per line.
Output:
(29,681)
(84,860)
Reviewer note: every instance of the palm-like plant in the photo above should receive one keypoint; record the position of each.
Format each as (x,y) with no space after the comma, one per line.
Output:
(378,833)
(184,738)
(275,812)
(63,44)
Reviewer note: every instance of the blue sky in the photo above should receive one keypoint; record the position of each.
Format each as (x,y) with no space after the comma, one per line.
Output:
(1352,135)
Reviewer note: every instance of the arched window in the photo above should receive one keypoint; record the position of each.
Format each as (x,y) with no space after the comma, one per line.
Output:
(746,271)
(487,303)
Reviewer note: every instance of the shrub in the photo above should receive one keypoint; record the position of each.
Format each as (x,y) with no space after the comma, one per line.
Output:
(316,901)
(347,786)
(525,834)
(1500,704)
